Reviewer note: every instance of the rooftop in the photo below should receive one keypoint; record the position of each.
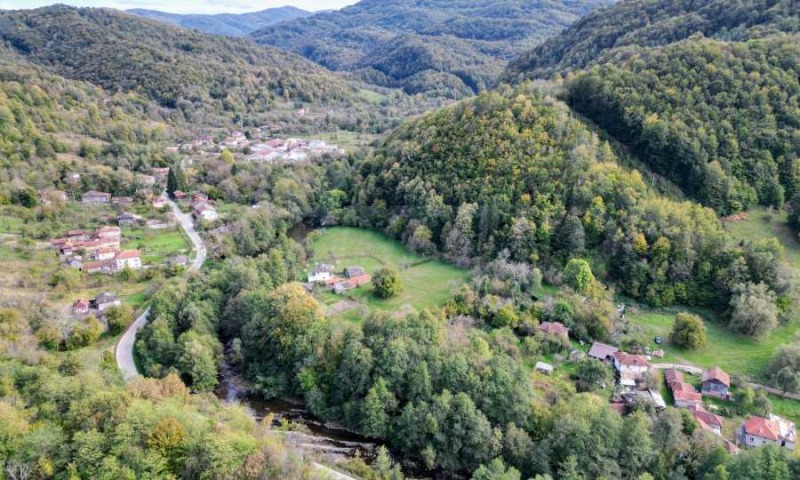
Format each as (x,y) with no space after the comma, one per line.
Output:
(602,351)
(717,374)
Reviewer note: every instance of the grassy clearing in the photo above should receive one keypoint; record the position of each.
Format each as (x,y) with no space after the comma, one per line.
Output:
(427,284)
(156,245)
(735,353)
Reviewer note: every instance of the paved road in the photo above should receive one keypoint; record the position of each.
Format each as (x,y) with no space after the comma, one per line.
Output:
(124,349)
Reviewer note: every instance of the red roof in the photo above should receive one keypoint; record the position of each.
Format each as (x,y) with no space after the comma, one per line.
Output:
(361,279)
(602,351)
(128,254)
(80,305)
(94,265)
(682,387)
(672,375)
(555,328)
(686,396)
(717,374)
(707,418)
(761,427)
(628,360)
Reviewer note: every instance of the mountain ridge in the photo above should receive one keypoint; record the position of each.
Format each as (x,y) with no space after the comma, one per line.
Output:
(226,24)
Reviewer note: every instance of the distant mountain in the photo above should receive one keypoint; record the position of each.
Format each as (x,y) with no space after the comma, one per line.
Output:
(653,23)
(453,47)
(228,24)
(181,69)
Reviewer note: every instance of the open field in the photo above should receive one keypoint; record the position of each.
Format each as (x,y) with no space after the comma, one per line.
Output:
(156,245)
(427,282)
(733,352)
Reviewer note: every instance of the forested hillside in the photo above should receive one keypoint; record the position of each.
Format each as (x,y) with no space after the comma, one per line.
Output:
(442,47)
(652,23)
(209,79)
(719,119)
(228,24)
(704,93)
(516,172)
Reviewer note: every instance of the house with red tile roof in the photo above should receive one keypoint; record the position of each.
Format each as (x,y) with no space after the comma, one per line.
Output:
(707,421)
(630,367)
(672,376)
(774,430)
(686,396)
(716,383)
(80,307)
(554,328)
(129,258)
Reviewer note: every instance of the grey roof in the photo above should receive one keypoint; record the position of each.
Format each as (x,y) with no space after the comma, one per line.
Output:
(354,271)
(601,351)
(106,297)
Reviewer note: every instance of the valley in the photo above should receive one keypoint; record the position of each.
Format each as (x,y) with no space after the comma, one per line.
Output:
(468,239)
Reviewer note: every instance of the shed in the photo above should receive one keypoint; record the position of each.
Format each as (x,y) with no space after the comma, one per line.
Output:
(545,368)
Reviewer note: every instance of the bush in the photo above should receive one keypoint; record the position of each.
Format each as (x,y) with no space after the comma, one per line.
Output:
(688,331)
(388,282)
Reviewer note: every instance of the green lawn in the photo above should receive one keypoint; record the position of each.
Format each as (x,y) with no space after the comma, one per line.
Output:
(10,224)
(761,223)
(427,285)
(735,353)
(156,245)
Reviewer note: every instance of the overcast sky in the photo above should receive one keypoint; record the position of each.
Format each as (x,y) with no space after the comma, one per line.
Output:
(184,6)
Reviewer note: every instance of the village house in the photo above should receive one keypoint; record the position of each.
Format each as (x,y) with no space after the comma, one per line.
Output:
(129,258)
(75,262)
(555,329)
(108,232)
(178,261)
(159,203)
(179,195)
(122,201)
(126,219)
(352,272)
(105,266)
(351,283)
(205,212)
(80,307)
(773,430)
(320,273)
(686,396)
(199,198)
(545,368)
(707,421)
(49,196)
(103,254)
(602,352)
(630,367)
(105,301)
(157,224)
(93,197)
(716,383)
(77,236)
(672,376)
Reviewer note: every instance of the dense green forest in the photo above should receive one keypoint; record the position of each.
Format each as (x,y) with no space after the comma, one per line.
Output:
(516,172)
(704,93)
(228,24)
(653,23)
(444,48)
(721,120)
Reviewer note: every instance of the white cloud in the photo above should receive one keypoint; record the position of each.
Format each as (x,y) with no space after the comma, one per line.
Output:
(184,6)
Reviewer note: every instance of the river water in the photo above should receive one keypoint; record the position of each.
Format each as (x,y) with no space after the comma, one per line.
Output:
(327,441)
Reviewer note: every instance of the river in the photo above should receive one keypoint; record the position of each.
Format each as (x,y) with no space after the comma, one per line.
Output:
(327,441)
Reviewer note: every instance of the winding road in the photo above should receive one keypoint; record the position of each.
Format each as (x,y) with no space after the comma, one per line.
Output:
(124,349)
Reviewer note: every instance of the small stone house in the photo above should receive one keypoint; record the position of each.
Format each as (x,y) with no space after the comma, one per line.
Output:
(352,272)
(105,301)
(602,352)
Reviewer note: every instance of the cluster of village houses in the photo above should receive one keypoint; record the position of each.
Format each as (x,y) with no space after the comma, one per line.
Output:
(351,277)
(264,149)
(632,371)
(100,251)
(202,206)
